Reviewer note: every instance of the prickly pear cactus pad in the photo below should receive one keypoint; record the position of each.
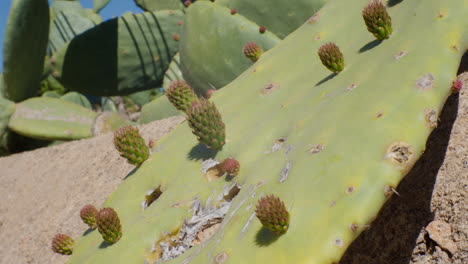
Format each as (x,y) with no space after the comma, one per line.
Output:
(211,28)
(52,119)
(120,56)
(156,5)
(329,146)
(24,47)
(68,19)
(279,16)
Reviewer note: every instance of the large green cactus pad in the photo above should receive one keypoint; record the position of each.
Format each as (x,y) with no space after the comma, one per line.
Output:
(173,73)
(157,109)
(24,47)
(7,108)
(211,28)
(120,56)
(279,16)
(331,147)
(98,5)
(52,119)
(68,19)
(157,5)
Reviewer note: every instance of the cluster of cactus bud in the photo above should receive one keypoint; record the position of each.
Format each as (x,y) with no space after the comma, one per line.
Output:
(272,213)
(230,166)
(207,124)
(457,85)
(108,224)
(252,51)
(62,244)
(209,93)
(377,20)
(331,57)
(130,144)
(88,215)
(181,95)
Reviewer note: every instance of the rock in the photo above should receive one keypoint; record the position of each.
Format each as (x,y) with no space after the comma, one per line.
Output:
(441,233)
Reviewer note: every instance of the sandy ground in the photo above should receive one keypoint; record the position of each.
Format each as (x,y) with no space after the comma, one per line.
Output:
(32,210)
(427,223)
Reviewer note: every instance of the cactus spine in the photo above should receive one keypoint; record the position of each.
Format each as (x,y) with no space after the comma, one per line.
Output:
(207,124)
(130,144)
(88,215)
(252,51)
(108,224)
(181,95)
(62,244)
(377,20)
(331,57)
(272,214)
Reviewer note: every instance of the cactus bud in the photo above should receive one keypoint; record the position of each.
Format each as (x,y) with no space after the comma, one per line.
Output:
(88,215)
(131,145)
(233,11)
(272,214)
(252,51)
(331,57)
(108,224)
(377,20)
(176,37)
(181,95)
(230,166)
(209,93)
(457,85)
(262,29)
(206,124)
(62,244)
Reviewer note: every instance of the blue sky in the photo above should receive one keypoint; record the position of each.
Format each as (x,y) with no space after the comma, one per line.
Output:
(114,9)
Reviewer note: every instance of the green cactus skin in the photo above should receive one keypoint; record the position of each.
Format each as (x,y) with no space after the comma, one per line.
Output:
(279,16)
(331,57)
(230,166)
(68,19)
(206,123)
(173,73)
(24,47)
(2,86)
(62,244)
(377,20)
(210,27)
(130,144)
(88,215)
(120,56)
(252,51)
(98,5)
(157,109)
(327,185)
(181,95)
(51,119)
(272,213)
(106,122)
(108,224)
(78,99)
(7,108)
(156,5)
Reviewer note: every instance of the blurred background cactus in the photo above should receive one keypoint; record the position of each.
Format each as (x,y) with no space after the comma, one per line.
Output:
(123,64)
